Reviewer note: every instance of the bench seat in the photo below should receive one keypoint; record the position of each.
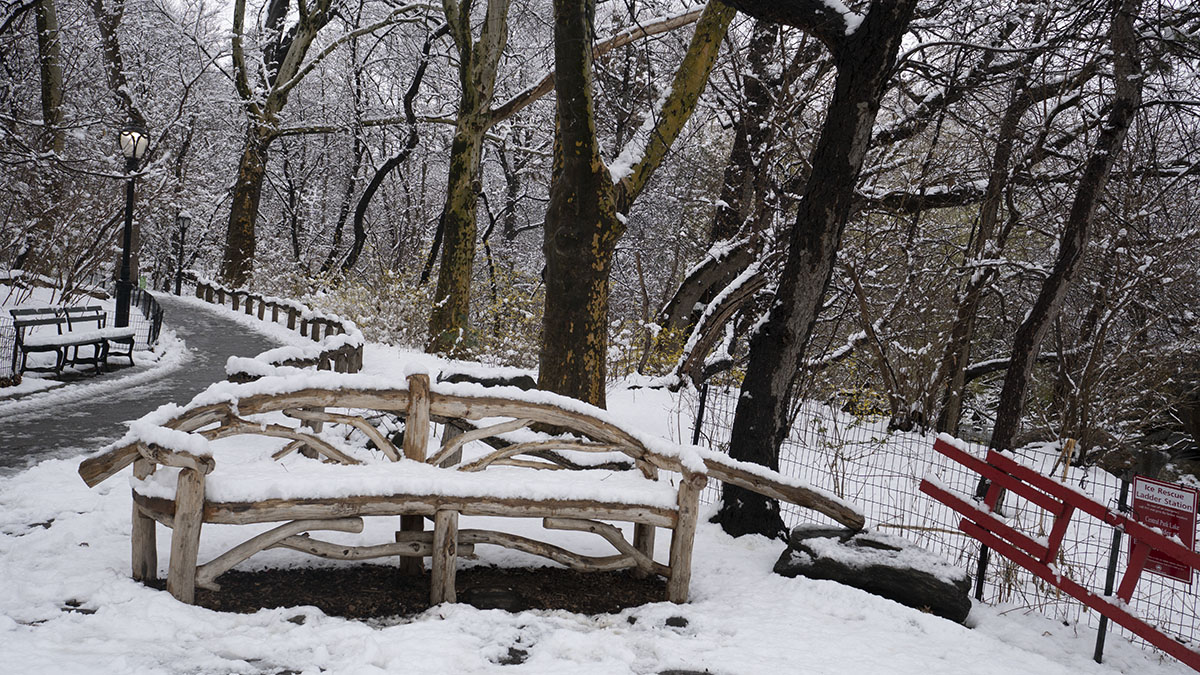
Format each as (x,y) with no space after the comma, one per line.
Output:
(299,480)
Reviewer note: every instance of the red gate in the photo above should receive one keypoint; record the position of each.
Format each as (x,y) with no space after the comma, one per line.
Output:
(980,522)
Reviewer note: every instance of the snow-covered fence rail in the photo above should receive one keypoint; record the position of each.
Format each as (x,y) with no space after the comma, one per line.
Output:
(858,459)
(339,343)
(321,451)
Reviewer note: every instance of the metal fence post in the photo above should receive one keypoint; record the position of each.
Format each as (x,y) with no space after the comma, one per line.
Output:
(1111,577)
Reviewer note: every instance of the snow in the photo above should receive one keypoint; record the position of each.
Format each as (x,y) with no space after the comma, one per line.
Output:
(67,604)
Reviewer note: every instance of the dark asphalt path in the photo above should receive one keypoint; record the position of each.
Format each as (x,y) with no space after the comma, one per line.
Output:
(89,413)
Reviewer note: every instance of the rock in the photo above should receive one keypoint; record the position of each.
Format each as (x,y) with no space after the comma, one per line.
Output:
(887,566)
(525,382)
(493,597)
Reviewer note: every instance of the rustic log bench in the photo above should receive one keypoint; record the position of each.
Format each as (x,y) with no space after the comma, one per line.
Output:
(322,451)
(76,328)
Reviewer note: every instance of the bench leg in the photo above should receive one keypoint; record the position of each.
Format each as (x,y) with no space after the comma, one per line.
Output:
(412,565)
(684,536)
(185,539)
(143,535)
(445,555)
(643,541)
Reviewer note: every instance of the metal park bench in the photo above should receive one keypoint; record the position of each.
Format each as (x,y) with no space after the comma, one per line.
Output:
(317,452)
(80,337)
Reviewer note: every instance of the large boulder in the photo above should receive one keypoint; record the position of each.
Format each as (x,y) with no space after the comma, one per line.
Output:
(883,565)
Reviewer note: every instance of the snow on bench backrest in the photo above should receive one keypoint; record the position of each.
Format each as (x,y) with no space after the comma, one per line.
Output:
(307,396)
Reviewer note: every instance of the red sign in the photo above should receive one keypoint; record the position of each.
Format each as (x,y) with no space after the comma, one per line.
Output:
(1172,509)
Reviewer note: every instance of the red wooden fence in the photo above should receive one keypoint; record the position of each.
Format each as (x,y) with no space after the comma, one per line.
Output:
(1061,502)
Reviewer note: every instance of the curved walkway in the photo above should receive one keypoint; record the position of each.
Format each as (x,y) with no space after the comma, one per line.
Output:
(87,414)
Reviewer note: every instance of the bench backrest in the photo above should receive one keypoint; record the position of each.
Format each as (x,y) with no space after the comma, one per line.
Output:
(41,316)
(93,314)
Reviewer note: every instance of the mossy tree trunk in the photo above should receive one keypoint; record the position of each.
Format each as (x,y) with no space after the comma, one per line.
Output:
(583,220)
(478,61)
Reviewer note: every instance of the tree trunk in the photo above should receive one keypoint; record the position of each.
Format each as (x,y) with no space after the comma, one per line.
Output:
(1028,339)
(581,222)
(449,324)
(864,59)
(36,256)
(957,350)
(478,60)
(238,261)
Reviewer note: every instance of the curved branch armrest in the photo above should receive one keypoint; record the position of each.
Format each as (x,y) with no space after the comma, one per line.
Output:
(176,458)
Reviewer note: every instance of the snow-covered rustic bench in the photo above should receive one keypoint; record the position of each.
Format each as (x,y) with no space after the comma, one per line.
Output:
(322,451)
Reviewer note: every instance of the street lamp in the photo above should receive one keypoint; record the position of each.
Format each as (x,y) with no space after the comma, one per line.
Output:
(184,220)
(134,141)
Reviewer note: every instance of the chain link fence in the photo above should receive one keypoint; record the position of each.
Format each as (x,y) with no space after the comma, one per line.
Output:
(858,459)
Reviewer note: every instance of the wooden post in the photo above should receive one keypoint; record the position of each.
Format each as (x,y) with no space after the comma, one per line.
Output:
(303,327)
(416,438)
(643,540)
(233,297)
(274,313)
(445,545)
(683,537)
(249,304)
(262,308)
(143,535)
(185,539)
(221,296)
(449,433)
(291,318)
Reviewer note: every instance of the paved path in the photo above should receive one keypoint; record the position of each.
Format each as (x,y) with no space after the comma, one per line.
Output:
(89,413)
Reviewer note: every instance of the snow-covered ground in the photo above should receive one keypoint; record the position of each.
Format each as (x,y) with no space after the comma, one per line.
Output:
(67,605)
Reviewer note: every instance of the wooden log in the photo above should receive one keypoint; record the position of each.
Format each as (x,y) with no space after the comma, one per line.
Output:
(209,571)
(176,458)
(409,525)
(233,297)
(643,541)
(684,537)
(558,554)
(612,535)
(452,444)
(304,327)
(405,548)
(448,457)
(238,426)
(185,538)
(416,438)
(262,308)
(533,446)
(274,313)
(385,446)
(724,470)
(291,323)
(445,544)
(416,422)
(249,304)
(143,533)
(277,510)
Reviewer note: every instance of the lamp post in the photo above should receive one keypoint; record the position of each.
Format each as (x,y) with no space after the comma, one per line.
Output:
(184,220)
(134,141)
